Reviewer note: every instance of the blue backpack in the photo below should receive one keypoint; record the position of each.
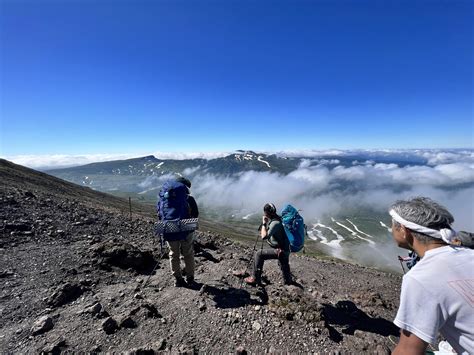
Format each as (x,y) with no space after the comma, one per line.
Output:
(173,205)
(294,227)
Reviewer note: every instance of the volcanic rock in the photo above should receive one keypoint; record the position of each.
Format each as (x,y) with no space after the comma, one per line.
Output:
(109,325)
(65,294)
(42,325)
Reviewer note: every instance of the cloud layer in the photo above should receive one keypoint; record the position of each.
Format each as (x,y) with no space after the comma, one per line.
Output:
(53,161)
(327,190)
(427,156)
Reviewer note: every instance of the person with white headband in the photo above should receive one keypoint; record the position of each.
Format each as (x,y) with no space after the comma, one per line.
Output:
(438,292)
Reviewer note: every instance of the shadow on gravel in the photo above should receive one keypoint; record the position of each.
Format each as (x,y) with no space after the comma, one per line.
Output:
(296,284)
(347,315)
(206,255)
(230,297)
(200,252)
(125,256)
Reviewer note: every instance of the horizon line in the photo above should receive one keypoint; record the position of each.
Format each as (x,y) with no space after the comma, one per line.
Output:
(51,161)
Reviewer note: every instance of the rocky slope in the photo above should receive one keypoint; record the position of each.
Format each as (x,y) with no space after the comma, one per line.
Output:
(77,275)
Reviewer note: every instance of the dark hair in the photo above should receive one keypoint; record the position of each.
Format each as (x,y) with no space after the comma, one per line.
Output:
(184,181)
(270,210)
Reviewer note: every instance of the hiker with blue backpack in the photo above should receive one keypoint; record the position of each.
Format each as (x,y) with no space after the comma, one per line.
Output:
(176,204)
(273,232)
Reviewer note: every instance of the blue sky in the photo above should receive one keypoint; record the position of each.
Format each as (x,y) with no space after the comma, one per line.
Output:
(95,77)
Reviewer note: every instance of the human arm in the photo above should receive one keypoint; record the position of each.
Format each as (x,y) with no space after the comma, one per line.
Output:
(409,344)
(264,228)
(419,316)
(273,233)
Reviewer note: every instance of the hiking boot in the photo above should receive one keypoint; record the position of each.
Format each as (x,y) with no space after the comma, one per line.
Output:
(190,280)
(191,283)
(179,282)
(250,281)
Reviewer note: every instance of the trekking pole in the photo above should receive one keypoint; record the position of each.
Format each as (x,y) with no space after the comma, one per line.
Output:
(151,273)
(261,250)
(158,262)
(401,263)
(253,252)
(250,260)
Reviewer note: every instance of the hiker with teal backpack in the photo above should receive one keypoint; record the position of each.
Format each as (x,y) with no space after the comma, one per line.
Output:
(273,232)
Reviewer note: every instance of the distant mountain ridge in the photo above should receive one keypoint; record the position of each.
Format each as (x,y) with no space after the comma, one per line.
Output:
(130,174)
(150,165)
(240,161)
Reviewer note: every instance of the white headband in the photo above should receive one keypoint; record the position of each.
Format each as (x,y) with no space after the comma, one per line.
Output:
(445,234)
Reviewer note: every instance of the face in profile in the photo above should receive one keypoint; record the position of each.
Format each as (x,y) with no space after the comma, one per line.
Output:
(399,235)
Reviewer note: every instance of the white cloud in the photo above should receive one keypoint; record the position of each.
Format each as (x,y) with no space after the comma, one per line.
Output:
(190,171)
(63,160)
(438,157)
(150,181)
(309,153)
(190,155)
(319,191)
(305,163)
(431,157)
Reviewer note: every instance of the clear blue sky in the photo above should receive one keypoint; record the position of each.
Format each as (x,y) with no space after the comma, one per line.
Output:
(83,77)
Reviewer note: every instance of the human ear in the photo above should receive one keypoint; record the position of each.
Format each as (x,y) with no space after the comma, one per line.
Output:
(408,236)
(405,231)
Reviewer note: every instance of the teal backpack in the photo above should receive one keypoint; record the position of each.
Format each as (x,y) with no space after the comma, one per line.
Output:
(294,227)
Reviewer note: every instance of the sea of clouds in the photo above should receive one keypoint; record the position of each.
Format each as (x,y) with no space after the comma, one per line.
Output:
(326,189)
(323,189)
(320,185)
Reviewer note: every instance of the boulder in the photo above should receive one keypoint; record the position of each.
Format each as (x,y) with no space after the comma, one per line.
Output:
(42,325)
(54,347)
(126,322)
(109,325)
(64,294)
(145,311)
(95,309)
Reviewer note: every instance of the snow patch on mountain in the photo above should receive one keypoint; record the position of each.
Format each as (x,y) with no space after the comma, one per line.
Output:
(260,158)
(358,230)
(335,243)
(352,231)
(385,226)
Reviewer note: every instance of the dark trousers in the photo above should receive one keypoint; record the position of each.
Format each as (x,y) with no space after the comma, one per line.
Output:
(267,254)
